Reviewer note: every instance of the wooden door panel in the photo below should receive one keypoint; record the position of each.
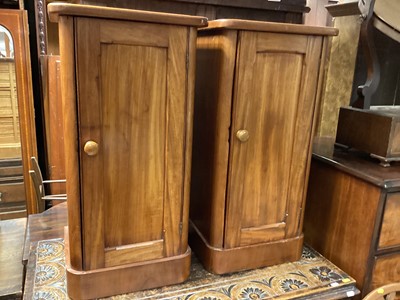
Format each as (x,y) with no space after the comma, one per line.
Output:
(132,102)
(268,85)
(133,126)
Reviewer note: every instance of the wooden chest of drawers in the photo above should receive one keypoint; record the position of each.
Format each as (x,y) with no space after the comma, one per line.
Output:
(353,214)
(255,102)
(128,132)
(12,190)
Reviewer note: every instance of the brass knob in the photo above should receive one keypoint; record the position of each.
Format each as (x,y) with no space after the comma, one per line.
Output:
(242,135)
(91,148)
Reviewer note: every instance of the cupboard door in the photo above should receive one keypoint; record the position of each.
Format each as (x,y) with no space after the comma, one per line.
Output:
(132,112)
(271,131)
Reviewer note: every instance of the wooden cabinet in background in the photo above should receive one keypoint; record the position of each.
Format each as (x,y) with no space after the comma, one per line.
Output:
(256,99)
(17,118)
(128,132)
(54,120)
(352,214)
(12,189)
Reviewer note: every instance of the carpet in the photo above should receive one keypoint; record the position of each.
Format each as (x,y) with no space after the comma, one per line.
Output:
(312,277)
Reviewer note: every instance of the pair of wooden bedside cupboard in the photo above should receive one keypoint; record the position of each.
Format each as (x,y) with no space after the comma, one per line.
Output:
(128,87)
(257,95)
(353,214)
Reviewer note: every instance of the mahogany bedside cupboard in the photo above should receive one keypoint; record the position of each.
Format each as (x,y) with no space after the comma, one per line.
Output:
(257,88)
(352,215)
(127,89)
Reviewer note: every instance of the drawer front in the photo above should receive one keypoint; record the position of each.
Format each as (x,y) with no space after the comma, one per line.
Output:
(12,210)
(12,192)
(390,231)
(386,270)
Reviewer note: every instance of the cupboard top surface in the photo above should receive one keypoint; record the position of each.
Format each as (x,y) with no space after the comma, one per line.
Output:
(356,163)
(56,10)
(271,27)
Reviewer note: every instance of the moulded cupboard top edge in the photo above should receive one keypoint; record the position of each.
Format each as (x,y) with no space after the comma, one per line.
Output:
(55,10)
(270,27)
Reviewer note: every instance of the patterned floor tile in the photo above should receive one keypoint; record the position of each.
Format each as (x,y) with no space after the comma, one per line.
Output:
(311,273)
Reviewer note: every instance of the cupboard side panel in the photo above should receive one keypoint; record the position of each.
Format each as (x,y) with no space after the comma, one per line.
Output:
(340,218)
(69,108)
(216,55)
(176,123)
(190,82)
(301,151)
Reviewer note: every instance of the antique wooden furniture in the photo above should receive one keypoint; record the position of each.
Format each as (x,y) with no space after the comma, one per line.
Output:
(15,21)
(374,130)
(387,292)
(52,106)
(40,189)
(352,214)
(369,128)
(12,191)
(255,102)
(128,132)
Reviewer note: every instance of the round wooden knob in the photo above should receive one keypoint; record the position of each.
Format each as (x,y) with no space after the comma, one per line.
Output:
(91,148)
(242,135)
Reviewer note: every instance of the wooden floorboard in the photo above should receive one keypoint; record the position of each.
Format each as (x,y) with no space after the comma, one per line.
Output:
(12,233)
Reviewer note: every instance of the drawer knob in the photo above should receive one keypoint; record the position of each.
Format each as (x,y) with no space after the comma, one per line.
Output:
(91,148)
(242,135)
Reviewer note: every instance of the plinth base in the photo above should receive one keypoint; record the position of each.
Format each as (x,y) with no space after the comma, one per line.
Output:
(375,131)
(222,261)
(125,278)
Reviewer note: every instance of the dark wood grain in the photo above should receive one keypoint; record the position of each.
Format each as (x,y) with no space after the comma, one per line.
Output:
(289,11)
(11,245)
(375,131)
(390,236)
(386,270)
(352,207)
(357,163)
(340,218)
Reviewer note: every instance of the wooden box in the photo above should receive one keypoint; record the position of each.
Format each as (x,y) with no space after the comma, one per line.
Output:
(257,86)
(375,131)
(127,89)
(352,214)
